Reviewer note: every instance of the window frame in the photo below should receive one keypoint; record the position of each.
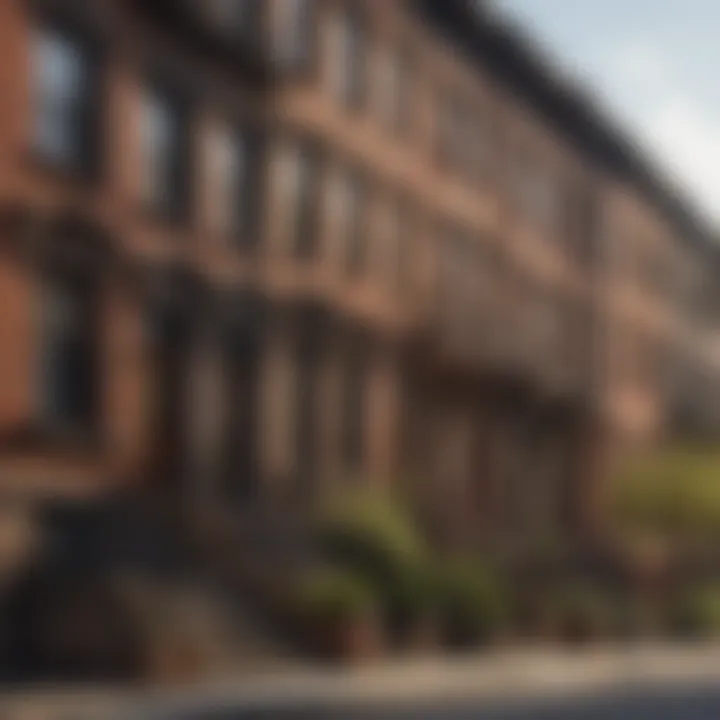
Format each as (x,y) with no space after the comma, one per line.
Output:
(81,414)
(301,29)
(305,209)
(353,47)
(83,155)
(240,224)
(172,201)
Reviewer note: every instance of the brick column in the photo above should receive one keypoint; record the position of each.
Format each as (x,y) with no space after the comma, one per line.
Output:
(125,366)
(19,350)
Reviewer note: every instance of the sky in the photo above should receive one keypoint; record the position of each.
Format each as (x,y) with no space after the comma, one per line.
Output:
(654,64)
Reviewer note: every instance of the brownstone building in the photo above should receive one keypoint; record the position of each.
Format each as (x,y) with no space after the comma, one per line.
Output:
(253,250)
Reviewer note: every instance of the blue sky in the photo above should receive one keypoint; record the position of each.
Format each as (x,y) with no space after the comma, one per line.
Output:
(654,64)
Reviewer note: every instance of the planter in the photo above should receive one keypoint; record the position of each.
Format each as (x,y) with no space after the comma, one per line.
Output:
(425,635)
(416,636)
(349,639)
(175,665)
(462,636)
(577,632)
(538,623)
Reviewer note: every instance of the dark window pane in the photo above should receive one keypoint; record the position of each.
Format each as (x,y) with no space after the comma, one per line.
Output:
(307,184)
(237,16)
(166,152)
(356,228)
(66,99)
(296,32)
(68,342)
(251,184)
(352,62)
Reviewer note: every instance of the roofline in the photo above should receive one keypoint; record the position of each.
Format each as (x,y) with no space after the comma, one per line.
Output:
(512,57)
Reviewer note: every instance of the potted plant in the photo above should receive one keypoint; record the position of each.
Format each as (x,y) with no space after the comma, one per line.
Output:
(338,615)
(473,604)
(583,613)
(411,608)
(695,613)
(374,536)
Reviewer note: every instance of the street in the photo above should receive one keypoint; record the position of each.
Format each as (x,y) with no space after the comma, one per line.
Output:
(689,703)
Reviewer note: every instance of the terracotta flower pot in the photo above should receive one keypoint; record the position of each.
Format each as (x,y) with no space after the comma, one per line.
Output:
(348,639)
(425,635)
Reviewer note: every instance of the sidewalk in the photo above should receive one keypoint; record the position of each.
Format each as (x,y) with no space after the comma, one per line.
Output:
(506,673)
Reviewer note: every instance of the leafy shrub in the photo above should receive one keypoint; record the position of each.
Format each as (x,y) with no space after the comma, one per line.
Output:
(330,596)
(372,535)
(672,494)
(370,527)
(696,613)
(472,600)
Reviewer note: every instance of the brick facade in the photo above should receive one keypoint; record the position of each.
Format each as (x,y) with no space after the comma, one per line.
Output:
(514,337)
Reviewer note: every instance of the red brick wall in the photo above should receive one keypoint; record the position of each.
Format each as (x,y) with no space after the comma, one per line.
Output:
(124,366)
(18,351)
(13,84)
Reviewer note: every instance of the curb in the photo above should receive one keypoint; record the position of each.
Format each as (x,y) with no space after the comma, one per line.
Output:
(518,675)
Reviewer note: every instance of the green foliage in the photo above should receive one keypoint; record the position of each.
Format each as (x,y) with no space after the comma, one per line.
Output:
(672,494)
(373,525)
(373,535)
(472,599)
(331,595)
(696,613)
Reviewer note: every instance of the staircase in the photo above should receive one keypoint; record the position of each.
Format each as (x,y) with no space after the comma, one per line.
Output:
(202,590)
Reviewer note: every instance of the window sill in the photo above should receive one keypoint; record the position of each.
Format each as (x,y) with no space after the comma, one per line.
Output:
(161,214)
(75,171)
(36,438)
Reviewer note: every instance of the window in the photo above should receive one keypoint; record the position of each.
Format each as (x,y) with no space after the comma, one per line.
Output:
(536,193)
(68,355)
(393,88)
(235,159)
(304,197)
(351,233)
(446,126)
(452,131)
(226,168)
(393,241)
(464,145)
(348,67)
(236,16)
(583,221)
(295,32)
(62,103)
(164,153)
(465,285)
(481,146)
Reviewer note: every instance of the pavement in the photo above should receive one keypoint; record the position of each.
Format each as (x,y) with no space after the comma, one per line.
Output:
(511,684)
